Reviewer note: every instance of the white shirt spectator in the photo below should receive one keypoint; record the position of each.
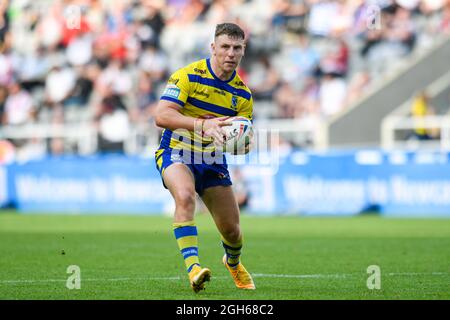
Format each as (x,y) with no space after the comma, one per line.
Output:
(433,5)
(332,95)
(153,62)
(115,127)
(50,31)
(6,69)
(322,17)
(408,4)
(18,108)
(119,80)
(79,51)
(59,84)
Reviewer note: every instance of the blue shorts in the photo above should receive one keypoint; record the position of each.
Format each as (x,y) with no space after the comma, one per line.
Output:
(205,175)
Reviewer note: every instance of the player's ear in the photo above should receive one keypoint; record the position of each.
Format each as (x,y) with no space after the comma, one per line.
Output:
(213,48)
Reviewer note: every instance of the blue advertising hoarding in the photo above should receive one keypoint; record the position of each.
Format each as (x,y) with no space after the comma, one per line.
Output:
(96,184)
(298,183)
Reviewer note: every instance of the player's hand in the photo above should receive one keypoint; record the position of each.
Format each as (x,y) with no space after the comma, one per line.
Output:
(213,128)
(248,145)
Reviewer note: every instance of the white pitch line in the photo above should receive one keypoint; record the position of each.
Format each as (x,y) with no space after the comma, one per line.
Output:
(89,279)
(418,273)
(256,275)
(263,275)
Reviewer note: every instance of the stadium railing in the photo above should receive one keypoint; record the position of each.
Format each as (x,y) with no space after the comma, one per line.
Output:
(143,138)
(396,126)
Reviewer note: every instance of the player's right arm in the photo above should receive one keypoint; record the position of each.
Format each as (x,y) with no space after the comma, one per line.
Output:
(168,112)
(169,116)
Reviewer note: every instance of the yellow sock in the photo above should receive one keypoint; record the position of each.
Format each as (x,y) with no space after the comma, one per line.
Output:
(186,235)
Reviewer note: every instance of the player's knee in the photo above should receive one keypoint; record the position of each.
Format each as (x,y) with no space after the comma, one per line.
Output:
(232,233)
(185,199)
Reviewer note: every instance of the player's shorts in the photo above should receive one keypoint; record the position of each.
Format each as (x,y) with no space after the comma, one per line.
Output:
(206,175)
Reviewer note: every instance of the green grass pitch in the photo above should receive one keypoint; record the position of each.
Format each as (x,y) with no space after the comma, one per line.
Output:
(292,258)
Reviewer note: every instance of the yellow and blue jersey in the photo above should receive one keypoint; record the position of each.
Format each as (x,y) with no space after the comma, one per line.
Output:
(201,94)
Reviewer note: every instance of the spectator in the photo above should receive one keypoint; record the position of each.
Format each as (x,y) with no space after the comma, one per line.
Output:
(304,57)
(331,95)
(83,87)
(309,99)
(33,69)
(286,99)
(150,25)
(289,14)
(79,50)
(19,108)
(359,83)
(113,124)
(307,57)
(6,67)
(59,85)
(321,17)
(265,79)
(146,101)
(3,96)
(420,108)
(336,61)
(57,147)
(445,23)
(4,24)
(154,63)
(115,77)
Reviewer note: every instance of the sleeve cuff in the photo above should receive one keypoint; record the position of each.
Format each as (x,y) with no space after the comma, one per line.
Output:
(179,102)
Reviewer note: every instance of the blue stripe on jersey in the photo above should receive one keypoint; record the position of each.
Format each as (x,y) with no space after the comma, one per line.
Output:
(165,139)
(189,252)
(211,107)
(185,231)
(219,85)
(181,103)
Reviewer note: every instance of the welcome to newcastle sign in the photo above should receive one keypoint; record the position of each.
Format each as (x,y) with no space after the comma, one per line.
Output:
(332,183)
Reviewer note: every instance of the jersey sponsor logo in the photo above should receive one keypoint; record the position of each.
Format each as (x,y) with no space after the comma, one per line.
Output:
(190,252)
(172,91)
(175,157)
(239,83)
(199,71)
(221,92)
(234,101)
(201,93)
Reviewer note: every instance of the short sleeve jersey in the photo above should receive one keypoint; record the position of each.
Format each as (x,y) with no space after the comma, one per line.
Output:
(201,94)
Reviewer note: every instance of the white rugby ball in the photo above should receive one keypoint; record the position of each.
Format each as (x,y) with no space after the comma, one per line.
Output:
(237,135)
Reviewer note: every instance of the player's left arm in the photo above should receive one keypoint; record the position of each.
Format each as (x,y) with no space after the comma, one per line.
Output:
(246,111)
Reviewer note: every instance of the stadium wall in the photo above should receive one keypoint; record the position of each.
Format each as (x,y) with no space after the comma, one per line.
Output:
(298,183)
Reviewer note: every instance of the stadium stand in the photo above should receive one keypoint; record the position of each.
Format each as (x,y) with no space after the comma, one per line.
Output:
(71,70)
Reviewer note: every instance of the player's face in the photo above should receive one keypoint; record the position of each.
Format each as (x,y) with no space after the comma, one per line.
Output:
(228,52)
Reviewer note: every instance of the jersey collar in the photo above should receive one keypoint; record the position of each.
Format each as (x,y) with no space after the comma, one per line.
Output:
(208,63)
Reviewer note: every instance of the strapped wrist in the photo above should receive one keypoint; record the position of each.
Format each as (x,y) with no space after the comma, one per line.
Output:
(198,128)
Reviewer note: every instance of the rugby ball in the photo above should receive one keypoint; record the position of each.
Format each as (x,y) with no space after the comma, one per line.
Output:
(237,135)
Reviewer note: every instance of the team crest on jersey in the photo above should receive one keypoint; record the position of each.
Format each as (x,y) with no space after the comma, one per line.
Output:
(234,101)
(172,91)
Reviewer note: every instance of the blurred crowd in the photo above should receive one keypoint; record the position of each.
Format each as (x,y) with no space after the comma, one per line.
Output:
(107,61)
